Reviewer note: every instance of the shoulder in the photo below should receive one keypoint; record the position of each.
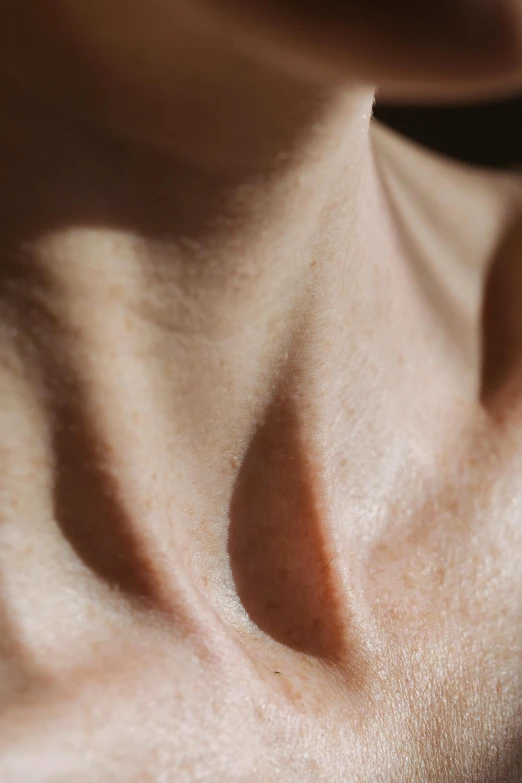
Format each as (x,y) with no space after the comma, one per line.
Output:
(462,209)
(454,222)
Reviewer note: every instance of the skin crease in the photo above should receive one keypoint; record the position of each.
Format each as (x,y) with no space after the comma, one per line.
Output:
(260,448)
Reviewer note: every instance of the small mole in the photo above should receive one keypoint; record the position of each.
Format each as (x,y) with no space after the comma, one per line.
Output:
(277,672)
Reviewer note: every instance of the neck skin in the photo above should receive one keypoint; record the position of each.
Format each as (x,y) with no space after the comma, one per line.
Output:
(180,257)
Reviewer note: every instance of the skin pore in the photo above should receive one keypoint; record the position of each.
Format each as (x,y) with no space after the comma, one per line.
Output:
(256,523)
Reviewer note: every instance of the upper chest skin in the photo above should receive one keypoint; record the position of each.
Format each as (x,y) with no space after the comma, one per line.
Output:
(426,556)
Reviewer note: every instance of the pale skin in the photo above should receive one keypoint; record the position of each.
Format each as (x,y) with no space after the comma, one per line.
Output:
(260,408)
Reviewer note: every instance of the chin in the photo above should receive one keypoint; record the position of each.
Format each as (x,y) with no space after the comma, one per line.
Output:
(444,49)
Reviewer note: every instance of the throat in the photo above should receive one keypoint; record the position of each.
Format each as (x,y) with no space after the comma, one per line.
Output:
(174,333)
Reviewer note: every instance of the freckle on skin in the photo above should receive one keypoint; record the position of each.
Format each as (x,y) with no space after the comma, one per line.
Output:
(114,291)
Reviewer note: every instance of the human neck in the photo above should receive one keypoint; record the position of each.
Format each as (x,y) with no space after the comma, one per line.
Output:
(185,316)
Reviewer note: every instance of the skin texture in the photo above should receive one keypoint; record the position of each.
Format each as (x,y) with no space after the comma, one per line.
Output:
(260,408)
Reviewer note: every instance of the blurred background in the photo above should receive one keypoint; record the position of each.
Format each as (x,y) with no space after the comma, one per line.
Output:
(486,134)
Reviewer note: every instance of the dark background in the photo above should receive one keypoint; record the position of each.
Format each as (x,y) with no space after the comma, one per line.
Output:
(487,134)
